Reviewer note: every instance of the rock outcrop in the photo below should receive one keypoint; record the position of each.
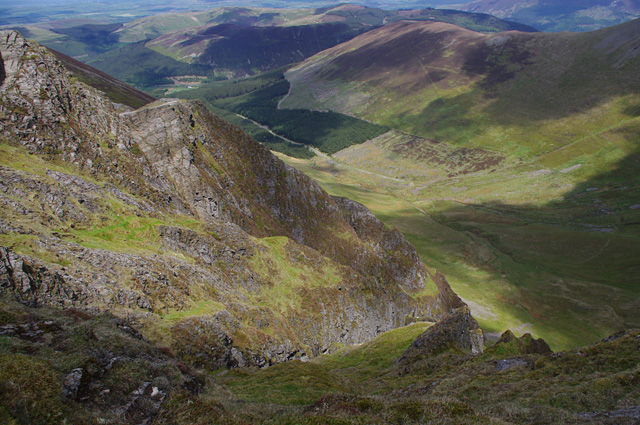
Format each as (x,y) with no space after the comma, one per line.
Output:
(179,221)
(458,331)
(508,343)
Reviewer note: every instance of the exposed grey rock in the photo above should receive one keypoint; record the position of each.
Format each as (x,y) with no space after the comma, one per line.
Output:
(28,331)
(509,363)
(632,413)
(615,336)
(459,331)
(72,383)
(397,255)
(207,249)
(144,404)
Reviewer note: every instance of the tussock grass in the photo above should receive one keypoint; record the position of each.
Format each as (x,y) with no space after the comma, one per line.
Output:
(292,272)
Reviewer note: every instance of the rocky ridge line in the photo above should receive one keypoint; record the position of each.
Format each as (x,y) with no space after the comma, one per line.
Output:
(206,197)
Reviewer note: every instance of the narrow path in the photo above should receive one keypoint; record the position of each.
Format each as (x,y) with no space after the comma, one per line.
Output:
(286,96)
(323,155)
(424,68)
(597,254)
(597,133)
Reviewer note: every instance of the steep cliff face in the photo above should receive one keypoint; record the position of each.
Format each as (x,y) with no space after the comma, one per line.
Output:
(177,220)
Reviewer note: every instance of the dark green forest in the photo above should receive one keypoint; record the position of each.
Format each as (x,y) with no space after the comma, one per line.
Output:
(256,98)
(143,67)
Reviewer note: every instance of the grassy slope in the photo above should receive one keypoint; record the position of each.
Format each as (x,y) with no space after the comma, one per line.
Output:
(515,266)
(348,370)
(546,240)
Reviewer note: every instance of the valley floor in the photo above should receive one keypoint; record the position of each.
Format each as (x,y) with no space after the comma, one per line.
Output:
(515,263)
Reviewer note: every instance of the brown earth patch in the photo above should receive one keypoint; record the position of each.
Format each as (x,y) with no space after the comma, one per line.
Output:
(457,161)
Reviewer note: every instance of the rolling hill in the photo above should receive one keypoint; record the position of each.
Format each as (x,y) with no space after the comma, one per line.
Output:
(550,230)
(353,15)
(226,42)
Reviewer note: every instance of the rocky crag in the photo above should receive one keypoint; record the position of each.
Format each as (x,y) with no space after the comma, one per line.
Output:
(181,224)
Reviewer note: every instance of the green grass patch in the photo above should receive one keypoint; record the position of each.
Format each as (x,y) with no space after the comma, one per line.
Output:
(365,361)
(123,233)
(18,158)
(29,245)
(290,271)
(202,308)
(291,383)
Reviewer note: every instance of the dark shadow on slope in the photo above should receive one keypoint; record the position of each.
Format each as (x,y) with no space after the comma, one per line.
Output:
(610,200)
(247,49)
(544,76)
(328,131)
(84,41)
(572,264)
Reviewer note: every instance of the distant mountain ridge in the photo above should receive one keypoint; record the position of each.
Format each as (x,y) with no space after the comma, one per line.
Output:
(550,15)
(229,42)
